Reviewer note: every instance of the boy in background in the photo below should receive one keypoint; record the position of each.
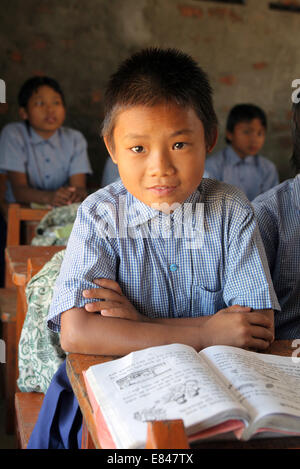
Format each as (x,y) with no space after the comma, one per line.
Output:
(278,216)
(159,284)
(240,163)
(45,162)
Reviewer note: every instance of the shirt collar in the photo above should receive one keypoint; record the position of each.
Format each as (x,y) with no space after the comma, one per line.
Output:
(139,213)
(37,139)
(235,159)
(296,191)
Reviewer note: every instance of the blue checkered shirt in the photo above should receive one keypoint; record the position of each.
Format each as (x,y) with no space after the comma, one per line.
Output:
(167,273)
(48,163)
(278,215)
(254,175)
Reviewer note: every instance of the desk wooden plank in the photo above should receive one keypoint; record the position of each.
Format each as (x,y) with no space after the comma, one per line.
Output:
(16,259)
(76,364)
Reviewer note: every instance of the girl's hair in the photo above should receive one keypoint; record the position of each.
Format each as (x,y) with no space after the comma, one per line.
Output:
(153,76)
(244,113)
(33,84)
(295,158)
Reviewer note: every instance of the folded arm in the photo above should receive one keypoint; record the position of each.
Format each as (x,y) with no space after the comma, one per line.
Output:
(121,329)
(62,196)
(92,333)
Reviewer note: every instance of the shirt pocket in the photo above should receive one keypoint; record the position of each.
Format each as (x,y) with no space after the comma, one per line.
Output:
(205,302)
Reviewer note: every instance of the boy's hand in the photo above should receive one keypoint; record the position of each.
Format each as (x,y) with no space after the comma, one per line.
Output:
(61,196)
(76,194)
(239,327)
(115,304)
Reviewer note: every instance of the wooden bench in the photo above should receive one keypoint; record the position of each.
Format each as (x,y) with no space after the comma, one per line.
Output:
(27,405)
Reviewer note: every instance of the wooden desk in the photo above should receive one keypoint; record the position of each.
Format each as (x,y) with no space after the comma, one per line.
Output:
(76,363)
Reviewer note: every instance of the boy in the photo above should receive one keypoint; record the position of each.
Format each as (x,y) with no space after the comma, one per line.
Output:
(278,216)
(240,163)
(159,284)
(45,162)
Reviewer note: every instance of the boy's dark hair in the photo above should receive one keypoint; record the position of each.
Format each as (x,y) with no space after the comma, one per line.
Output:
(244,113)
(32,84)
(295,159)
(154,76)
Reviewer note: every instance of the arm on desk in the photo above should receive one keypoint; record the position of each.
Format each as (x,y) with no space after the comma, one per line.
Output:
(91,333)
(62,196)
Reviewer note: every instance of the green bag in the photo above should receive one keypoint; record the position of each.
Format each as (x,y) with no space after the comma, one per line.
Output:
(40,353)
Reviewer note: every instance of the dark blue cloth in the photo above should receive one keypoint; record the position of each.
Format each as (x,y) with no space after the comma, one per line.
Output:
(59,425)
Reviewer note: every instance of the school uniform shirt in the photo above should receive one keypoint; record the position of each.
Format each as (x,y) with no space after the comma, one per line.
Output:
(205,256)
(48,163)
(253,174)
(278,215)
(110,173)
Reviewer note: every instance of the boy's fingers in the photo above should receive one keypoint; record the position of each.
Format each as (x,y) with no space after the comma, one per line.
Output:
(262,333)
(236,309)
(101,293)
(101,305)
(259,319)
(258,344)
(108,283)
(114,313)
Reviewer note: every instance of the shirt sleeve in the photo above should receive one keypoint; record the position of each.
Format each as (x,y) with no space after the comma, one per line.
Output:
(248,279)
(270,178)
(110,173)
(213,167)
(90,254)
(80,163)
(12,150)
(268,227)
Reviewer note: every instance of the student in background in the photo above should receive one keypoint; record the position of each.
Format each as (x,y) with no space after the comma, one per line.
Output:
(110,173)
(278,215)
(45,162)
(240,162)
(160,282)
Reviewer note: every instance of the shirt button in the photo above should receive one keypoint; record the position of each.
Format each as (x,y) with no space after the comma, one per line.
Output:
(47,176)
(173,267)
(47,160)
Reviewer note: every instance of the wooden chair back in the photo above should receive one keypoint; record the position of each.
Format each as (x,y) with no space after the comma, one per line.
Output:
(17,214)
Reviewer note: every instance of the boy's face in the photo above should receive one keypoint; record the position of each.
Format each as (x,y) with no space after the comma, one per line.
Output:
(160,152)
(45,111)
(247,138)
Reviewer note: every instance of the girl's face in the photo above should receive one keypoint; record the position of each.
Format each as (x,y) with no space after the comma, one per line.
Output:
(45,111)
(247,138)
